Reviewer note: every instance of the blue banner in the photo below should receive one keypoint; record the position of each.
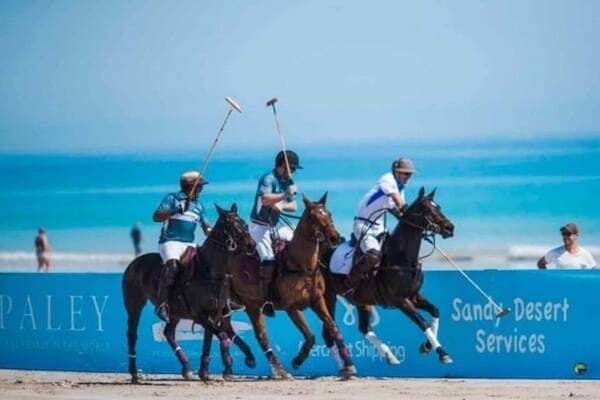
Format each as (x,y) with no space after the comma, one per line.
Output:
(77,322)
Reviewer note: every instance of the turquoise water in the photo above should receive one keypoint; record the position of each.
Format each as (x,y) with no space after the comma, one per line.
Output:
(498,193)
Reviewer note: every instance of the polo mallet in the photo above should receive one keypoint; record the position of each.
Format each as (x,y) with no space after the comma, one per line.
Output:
(271,103)
(233,105)
(501,312)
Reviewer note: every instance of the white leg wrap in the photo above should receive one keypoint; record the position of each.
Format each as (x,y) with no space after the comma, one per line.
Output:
(383,348)
(432,339)
(435,326)
(335,354)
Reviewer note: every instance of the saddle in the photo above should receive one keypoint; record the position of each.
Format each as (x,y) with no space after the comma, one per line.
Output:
(250,264)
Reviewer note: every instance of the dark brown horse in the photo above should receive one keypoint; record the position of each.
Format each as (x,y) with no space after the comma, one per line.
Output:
(397,281)
(298,284)
(203,288)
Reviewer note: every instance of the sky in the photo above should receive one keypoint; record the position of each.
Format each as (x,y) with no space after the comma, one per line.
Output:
(130,76)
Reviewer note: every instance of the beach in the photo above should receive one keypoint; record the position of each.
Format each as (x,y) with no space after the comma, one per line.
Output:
(34,385)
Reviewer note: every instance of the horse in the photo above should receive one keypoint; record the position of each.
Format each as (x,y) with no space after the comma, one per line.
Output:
(397,282)
(298,284)
(203,288)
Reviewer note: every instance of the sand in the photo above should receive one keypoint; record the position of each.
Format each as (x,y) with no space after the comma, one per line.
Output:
(32,385)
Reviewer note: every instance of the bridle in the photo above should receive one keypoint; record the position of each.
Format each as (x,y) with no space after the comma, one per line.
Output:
(318,228)
(227,239)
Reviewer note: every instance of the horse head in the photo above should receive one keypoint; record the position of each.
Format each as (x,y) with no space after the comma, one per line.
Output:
(319,218)
(232,231)
(425,213)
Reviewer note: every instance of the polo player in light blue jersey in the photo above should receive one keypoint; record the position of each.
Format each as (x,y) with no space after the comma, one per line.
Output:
(180,213)
(274,194)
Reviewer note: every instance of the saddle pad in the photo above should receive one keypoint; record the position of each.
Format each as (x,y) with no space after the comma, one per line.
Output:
(249,268)
(341,260)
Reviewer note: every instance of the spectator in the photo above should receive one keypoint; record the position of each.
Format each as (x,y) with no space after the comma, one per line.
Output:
(570,255)
(136,237)
(42,250)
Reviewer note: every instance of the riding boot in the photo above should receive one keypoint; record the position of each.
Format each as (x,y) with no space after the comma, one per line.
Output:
(367,263)
(267,267)
(168,274)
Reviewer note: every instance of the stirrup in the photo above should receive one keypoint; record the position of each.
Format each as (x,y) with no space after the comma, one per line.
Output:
(268,308)
(232,307)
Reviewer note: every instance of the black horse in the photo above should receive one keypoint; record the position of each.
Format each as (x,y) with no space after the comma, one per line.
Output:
(203,287)
(397,281)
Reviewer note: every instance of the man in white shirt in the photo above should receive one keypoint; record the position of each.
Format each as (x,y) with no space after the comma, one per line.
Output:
(386,195)
(570,255)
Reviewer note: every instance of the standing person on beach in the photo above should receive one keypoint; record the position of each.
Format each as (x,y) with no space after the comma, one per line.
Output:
(274,194)
(386,195)
(570,254)
(179,213)
(42,250)
(136,238)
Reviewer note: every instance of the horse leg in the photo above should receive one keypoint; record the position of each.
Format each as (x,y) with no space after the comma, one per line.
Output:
(364,325)
(320,308)
(298,319)
(225,345)
(260,331)
(408,308)
(169,333)
(330,301)
(423,304)
(239,342)
(134,311)
(212,329)
(205,358)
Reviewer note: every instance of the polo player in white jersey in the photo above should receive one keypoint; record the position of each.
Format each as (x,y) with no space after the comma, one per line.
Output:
(369,223)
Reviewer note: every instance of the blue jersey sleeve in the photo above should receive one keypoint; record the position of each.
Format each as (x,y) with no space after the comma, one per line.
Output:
(168,204)
(266,185)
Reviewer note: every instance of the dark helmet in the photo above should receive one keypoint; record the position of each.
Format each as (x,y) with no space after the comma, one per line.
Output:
(292,157)
(190,179)
(404,165)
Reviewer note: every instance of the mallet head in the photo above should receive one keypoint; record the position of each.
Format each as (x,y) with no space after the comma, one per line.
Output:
(272,102)
(503,312)
(233,104)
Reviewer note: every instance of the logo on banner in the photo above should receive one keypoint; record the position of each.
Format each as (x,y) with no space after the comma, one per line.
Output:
(540,314)
(188,330)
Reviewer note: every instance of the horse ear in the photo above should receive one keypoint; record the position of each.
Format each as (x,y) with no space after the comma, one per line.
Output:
(306,201)
(421,192)
(430,195)
(219,210)
(323,199)
(234,208)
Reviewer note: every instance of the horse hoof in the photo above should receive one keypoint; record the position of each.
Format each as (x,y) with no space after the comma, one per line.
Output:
(228,377)
(187,374)
(391,359)
(296,363)
(348,373)
(445,359)
(135,379)
(250,362)
(425,348)
(277,372)
(203,375)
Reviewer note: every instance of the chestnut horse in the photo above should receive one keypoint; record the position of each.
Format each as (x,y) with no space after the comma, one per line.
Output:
(397,281)
(298,284)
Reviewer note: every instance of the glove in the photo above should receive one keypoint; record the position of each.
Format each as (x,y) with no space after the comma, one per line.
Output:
(290,193)
(398,212)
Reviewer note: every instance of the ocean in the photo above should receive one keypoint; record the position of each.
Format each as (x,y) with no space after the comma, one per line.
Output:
(506,197)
